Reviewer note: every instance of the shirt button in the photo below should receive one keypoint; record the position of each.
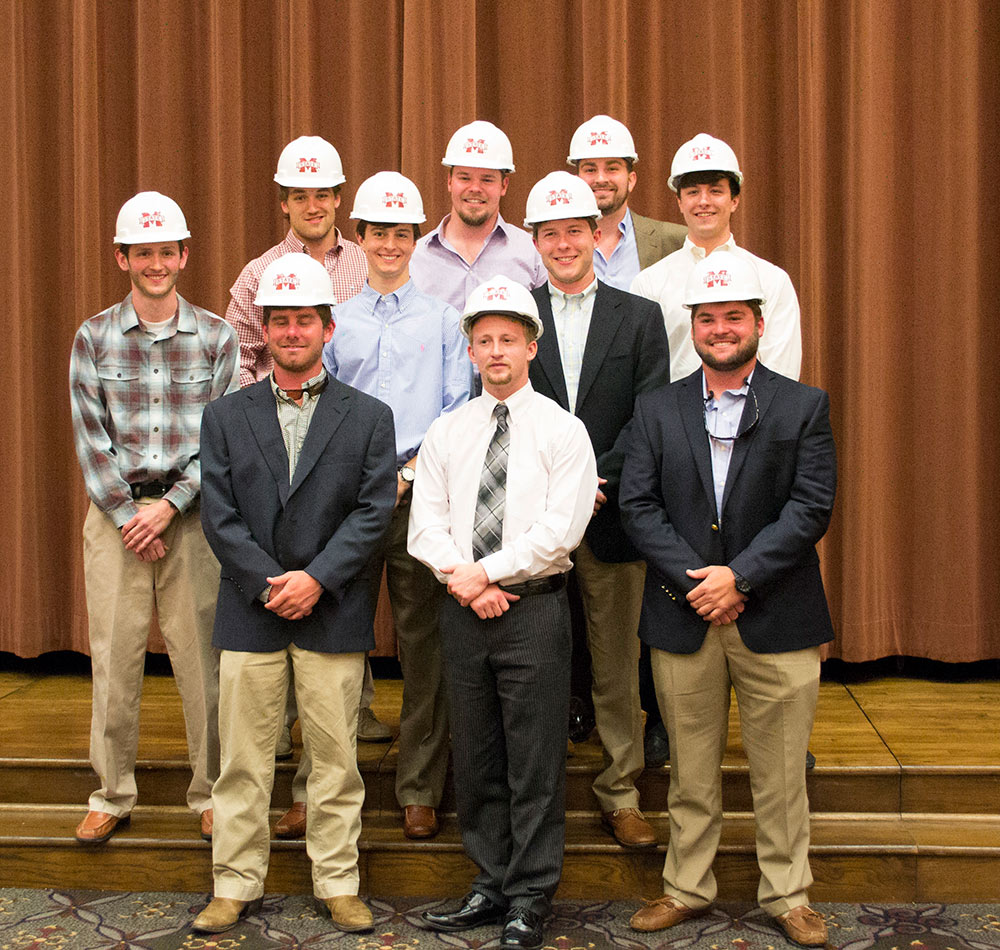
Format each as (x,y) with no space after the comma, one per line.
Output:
(156,400)
(155,371)
(156,428)
(715,527)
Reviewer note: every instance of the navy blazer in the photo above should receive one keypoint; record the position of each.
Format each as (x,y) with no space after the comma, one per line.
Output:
(626,354)
(329,521)
(776,506)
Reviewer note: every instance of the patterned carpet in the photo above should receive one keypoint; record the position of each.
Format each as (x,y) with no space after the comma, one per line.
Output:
(73,920)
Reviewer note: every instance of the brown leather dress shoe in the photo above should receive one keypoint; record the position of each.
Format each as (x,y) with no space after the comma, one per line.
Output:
(292,824)
(349,913)
(223,913)
(664,912)
(419,821)
(98,826)
(803,926)
(207,822)
(630,829)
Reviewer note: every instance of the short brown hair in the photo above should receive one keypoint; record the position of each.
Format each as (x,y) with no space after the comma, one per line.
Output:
(324,310)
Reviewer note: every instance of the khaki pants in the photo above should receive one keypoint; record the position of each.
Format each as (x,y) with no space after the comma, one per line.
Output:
(252,689)
(122,592)
(612,601)
(777,695)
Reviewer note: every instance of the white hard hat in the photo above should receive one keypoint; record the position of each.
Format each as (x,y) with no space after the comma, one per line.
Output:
(504,297)
(479,145)
(703,153)
(294,280)
(390,198)
(309,162)
(601,137)
(150,217)
(560,195)
(722,276)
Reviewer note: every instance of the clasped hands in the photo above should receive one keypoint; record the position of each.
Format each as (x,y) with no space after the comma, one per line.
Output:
(470,586)
(716,598)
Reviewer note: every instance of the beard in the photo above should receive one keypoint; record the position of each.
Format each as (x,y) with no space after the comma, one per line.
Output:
(740,357)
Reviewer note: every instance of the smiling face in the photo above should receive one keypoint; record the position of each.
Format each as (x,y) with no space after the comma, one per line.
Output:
(388,248)
(153,268)
(707,210)
(312,212)
(726,334)
(567,250)
(476,193)
(499,346)
(295,336)
(609,179)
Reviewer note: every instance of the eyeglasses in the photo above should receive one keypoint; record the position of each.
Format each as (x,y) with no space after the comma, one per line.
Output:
(740,433)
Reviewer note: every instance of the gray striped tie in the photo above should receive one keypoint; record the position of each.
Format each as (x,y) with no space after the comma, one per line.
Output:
(487,533)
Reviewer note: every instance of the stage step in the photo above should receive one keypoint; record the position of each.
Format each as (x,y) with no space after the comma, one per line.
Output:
(868,858)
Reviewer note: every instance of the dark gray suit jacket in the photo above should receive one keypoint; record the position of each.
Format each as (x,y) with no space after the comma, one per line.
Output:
(776,506)
(626,354)
(654,239)
(329,521)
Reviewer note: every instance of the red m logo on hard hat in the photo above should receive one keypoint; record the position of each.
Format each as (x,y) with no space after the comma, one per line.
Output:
(558,197)
(598,138)
(286,282)
(308,165)
(475,145)
(718,278)
(151,219)
(398,199)
(701,154)
(496,293)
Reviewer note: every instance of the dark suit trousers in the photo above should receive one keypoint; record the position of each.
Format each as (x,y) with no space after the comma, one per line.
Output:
(508,692)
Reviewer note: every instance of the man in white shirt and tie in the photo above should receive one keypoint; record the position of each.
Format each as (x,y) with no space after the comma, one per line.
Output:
(504,489)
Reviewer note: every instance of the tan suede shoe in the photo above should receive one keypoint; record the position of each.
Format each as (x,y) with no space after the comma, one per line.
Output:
(664,912)
(349,913)
(803,926)
(223,913)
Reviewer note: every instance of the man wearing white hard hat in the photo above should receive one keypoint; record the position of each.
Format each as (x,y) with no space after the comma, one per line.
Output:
(728,484)
(141,372)
(603,153)
(707,179)
(602,347)
(299,481)
(310,175)
(406,348)
(473,241)
(504,490)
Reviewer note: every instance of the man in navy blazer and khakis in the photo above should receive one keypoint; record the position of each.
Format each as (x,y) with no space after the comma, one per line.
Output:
(728,484)
(602,347)
(298,486)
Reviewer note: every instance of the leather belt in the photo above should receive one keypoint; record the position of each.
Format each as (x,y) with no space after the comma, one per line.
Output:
(149,489)
(537,585)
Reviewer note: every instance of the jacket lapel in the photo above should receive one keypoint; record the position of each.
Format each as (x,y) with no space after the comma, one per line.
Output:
(548,356)
(604,323)
(692,405)
(763,388)
(331,410)
(263,419)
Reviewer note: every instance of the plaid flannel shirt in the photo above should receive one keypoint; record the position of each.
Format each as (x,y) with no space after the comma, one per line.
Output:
(137,402)
(348,269)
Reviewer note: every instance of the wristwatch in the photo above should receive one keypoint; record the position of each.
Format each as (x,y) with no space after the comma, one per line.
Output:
(408,473)
(742,584)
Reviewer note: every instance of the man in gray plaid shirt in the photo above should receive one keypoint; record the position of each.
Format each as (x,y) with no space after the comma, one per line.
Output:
(141,373)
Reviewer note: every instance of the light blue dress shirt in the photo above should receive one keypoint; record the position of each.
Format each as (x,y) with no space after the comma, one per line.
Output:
(723,412)
(406,349)
(623,266)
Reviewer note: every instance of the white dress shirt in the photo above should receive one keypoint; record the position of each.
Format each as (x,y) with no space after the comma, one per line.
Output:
(571,314)
(551,486)
(664,282)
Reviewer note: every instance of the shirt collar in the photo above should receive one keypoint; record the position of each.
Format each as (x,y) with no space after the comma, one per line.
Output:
(516,403)
(371,296)
(296,245)
(438,233)
(742,391)
(555,294)
(186,322)
(625,226)
(280,393)
(699,253)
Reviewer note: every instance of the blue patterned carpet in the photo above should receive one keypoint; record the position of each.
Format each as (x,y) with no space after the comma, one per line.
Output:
(74,919)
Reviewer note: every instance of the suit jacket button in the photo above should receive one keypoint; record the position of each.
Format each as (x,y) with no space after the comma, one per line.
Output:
(715,527)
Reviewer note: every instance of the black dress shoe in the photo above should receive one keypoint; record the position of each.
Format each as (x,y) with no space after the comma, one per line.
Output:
(656,747)
(522,929)
(581,720)
(810,760)
(475,910)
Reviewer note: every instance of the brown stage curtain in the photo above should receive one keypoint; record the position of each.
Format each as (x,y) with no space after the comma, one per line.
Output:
(868,135)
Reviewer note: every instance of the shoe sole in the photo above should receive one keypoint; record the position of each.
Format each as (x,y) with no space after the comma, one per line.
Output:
(450,929)
(652,930)
(289,835)
(121,823)
(387,738)
(252,908)
(342,927)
